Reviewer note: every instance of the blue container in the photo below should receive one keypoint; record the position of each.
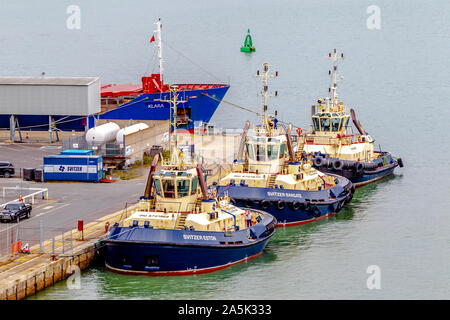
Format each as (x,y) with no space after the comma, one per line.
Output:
(75,152)
(73,168)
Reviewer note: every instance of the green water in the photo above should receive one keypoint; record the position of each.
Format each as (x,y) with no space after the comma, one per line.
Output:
(395,77)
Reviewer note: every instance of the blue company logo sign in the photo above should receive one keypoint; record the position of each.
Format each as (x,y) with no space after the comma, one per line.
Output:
(70,168)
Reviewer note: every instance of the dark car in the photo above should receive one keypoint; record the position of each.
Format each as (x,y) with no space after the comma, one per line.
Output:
(14,210)
(6,169)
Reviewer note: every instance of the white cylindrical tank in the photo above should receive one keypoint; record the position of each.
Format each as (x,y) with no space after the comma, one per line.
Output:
(131,129)
(104,133)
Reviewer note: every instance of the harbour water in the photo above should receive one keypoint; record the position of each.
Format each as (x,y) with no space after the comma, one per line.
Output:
(395,77)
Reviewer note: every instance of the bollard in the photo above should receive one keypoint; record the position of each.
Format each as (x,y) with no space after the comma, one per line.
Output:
(80,228)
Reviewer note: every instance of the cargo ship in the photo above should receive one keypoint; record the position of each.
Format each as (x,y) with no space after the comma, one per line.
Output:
(267,176)
(334,148)
(179,228)
(138,102)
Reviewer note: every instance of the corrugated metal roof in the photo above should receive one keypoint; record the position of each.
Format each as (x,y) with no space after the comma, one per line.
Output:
(48,81)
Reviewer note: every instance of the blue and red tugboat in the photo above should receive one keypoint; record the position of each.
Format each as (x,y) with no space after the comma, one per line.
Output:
(178,229)
(267,175)
(335,148)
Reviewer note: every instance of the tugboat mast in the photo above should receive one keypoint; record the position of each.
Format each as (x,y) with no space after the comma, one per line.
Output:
(265,77)
(173,141)
(334,75)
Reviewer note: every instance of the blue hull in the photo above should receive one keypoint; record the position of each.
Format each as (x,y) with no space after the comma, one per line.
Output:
(144,107)
(381,168)
(176,260)
(148,251)
(292,207)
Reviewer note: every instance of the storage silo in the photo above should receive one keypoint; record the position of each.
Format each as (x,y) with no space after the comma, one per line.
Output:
(128,130)
(104,133)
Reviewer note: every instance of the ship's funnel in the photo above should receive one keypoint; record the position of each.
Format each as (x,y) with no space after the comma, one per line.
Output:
(357,123)
(289,144)
(201,179)
(150,177)
(242,144)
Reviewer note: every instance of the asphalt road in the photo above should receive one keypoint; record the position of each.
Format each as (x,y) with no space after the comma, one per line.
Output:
(26,155)
(69,202)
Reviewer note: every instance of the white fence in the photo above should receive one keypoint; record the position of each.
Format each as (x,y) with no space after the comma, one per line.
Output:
(37,191)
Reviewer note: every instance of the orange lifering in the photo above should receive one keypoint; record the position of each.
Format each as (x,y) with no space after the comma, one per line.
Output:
(106,226)
(299,131)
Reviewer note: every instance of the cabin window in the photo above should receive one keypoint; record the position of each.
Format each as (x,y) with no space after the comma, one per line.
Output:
(335,124)
(169,188)
(282,150)
(325,124)
(272,151)
(260,152)
(316,124)
(194,185)
(182,188)
(157,184)
(250,151)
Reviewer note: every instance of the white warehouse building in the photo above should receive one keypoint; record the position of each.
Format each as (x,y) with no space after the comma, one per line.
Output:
(47,103)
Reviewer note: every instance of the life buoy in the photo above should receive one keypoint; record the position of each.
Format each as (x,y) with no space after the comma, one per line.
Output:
(281,205)
(299,131)
(264,204)
(295,205)
(315,211)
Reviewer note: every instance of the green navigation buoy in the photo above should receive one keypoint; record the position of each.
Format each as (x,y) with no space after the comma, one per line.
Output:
(248,43)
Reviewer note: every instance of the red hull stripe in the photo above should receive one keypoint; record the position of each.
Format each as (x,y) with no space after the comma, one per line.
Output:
(181,272)
(290,224)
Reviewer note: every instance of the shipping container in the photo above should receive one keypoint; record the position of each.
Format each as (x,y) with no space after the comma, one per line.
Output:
(73,168)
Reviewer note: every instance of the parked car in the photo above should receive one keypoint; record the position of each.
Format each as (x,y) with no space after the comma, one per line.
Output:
(6,169)
(14,210)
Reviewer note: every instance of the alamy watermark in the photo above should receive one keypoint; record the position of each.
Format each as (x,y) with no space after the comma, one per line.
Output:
(373,22)
(74,281)
(374,280)
(73,22)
